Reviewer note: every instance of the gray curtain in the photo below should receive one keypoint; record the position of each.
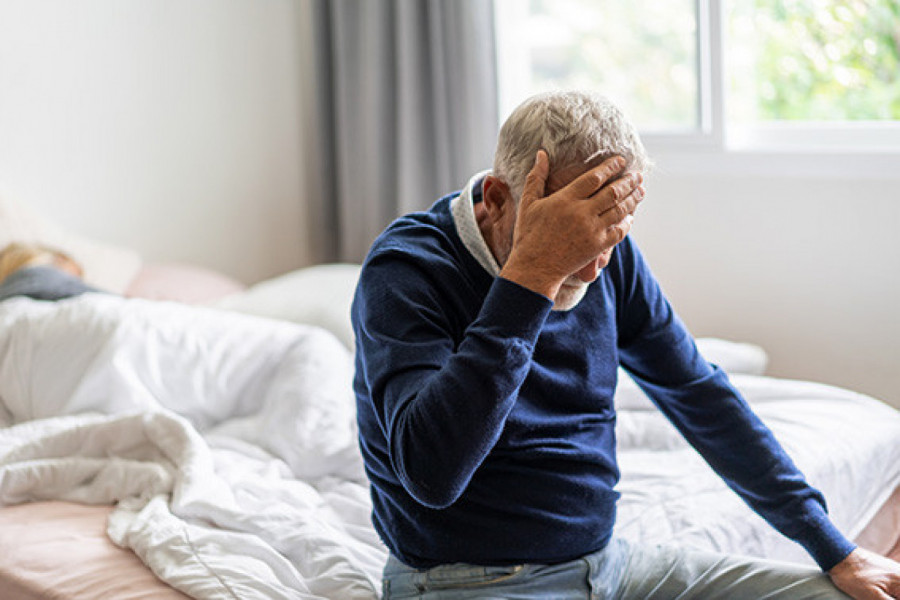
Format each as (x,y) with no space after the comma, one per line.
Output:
(407,110)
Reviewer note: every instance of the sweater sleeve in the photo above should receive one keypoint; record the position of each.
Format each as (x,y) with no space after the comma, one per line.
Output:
(441,402)
(657,350)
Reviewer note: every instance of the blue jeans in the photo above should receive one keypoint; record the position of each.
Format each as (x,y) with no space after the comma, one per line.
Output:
(621,571)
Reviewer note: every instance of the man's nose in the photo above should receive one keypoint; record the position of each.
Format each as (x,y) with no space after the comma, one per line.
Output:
(589,272)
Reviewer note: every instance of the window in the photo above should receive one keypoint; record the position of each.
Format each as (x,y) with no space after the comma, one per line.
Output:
(804,73)
(797,60)
(745,74)
(641,53)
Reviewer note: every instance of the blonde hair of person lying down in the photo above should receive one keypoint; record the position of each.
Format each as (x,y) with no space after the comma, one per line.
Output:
(19,255)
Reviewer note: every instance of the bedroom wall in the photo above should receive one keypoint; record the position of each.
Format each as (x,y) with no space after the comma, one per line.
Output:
(171,127)
(807,267)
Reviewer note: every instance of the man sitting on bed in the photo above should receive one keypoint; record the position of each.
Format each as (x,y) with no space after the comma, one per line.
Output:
(488,333)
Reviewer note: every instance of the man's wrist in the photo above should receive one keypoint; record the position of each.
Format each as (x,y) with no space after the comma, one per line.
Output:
(818,534)
(532,279)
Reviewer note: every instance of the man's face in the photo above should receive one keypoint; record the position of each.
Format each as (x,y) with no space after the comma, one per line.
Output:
(575,286)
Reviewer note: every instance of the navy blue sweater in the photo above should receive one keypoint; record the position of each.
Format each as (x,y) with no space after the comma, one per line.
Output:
(487,421)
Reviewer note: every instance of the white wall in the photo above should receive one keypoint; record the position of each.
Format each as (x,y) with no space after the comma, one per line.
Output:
(170,126)
(808,267)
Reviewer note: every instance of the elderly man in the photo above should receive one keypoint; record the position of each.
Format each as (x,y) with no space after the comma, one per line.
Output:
(489,330)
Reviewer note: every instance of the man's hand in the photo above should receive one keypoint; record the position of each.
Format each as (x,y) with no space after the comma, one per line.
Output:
(864,575)
(559,234)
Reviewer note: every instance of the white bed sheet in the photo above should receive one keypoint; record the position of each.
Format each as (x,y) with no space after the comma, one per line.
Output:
(228,442)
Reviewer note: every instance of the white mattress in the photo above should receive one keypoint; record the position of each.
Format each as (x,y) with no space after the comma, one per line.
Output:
(847,444)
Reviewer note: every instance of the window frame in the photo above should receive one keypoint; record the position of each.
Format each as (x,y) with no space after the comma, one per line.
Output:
(850,149)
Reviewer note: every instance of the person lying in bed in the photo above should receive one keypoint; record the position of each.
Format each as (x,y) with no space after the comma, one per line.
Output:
(39,272)
(488,332)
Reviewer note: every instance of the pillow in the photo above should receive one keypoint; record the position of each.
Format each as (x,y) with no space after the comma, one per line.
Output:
(106,267)
(320,295)
(182,283)
(732,357)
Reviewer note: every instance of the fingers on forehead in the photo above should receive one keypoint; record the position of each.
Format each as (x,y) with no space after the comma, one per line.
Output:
(591,181)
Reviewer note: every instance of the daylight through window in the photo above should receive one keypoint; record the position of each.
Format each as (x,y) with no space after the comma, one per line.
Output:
(712,67)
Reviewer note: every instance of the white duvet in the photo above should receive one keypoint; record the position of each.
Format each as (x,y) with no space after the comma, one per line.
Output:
(228,443)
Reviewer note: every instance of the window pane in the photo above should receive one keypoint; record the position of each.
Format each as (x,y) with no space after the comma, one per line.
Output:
(813,60)
(640,53)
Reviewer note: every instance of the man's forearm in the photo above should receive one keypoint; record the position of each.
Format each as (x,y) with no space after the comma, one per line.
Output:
(441,424)
(714,418)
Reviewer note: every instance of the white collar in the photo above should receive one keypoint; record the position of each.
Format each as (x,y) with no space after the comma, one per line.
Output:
(463,212)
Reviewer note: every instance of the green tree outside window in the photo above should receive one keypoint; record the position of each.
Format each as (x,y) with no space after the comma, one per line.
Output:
(813,60)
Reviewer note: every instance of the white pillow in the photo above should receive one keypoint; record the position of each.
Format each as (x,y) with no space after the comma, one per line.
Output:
(107,267)
(320,295)
(732,357)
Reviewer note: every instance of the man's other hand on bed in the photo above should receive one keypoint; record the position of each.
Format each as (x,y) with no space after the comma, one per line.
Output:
(865,575)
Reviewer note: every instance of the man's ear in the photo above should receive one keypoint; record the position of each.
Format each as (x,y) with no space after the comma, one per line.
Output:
(496,197)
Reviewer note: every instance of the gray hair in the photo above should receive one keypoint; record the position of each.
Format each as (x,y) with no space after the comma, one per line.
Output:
(574,128)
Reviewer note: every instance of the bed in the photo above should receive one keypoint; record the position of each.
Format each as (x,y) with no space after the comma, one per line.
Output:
(189,437)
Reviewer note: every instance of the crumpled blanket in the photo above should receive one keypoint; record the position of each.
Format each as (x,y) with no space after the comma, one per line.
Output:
(227,442)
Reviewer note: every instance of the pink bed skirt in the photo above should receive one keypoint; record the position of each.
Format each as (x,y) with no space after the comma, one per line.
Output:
(882,534)
(60,551)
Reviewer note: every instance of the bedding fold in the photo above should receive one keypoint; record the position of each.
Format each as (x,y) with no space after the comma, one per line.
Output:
(225,441)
